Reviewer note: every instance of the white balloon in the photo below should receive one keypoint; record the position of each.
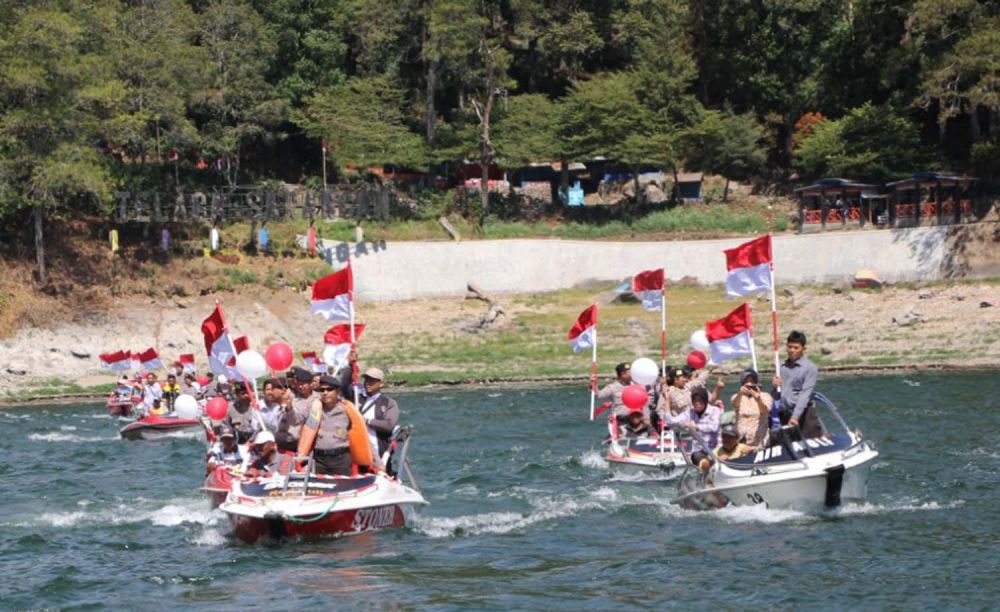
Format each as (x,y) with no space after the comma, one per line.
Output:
(699,340)
(251,364)
(186,407)
(644,371)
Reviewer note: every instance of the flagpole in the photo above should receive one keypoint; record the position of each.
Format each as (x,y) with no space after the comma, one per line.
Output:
(774,318)
(663,330)
(753,347)
(251,388)
(593,367)
(354,364)
(323,148)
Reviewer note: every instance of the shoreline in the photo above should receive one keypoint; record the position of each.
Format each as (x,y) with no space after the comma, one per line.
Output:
(55,400)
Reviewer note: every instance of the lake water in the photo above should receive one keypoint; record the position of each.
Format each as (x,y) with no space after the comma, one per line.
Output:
(524,514)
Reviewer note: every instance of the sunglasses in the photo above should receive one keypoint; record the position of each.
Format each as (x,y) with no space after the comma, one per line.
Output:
(326,389)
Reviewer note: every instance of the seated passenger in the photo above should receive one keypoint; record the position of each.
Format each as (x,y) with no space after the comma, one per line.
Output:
(264,452)
(170,391)
(635,426)
(158,407)
(731,447)
(225,452)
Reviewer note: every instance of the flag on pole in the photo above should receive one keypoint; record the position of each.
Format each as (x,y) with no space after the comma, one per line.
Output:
(338,343)
(219,345)
(119,361)
(648,286)
(731,336)
(313,362)
(331,295)
(187,362)
(172,155)
(582,335)
(749,267)
(242,344)
(147,360)
(322,144)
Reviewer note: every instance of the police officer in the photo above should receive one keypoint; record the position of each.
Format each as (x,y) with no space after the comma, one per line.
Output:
(332,452)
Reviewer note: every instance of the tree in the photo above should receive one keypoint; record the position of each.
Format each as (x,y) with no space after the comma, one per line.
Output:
(56,96)
(153,54)
(728,144)
(870,142)
(526,130)
(362,121)
(239,108)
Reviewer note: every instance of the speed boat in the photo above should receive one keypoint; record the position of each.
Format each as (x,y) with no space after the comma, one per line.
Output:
(809,475)
(305,504)
(119,406)
(662,456)
(156,426)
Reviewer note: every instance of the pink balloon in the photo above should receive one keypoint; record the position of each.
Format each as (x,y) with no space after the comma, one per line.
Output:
(696,359)
(279,356)
(216,408)
(635,396)
(203,380)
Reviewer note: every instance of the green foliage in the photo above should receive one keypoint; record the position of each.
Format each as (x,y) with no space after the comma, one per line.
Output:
(728,144)
(362,120)
(874,143)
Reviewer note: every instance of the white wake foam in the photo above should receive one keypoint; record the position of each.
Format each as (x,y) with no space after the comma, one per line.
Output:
(870,508)
(503,522)
(57,436)
(593,459)
(175,512)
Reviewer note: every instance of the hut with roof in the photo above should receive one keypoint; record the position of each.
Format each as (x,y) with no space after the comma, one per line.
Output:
(838,200)
(930,197)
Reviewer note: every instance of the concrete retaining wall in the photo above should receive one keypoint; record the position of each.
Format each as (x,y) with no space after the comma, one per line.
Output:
(405,270)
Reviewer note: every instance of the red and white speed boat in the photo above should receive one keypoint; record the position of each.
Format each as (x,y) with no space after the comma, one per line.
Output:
(303,504)
(155,426)
(119,406)
(310,505)
(662,456)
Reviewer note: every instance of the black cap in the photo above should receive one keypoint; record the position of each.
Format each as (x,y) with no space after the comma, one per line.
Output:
(276,382)
(329,381)
(747,374)
(730,430)
(303,376)
(621,368)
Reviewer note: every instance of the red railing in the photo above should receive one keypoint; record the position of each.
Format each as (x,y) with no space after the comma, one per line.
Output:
(853,213)
(812,215)
(948,208)
(906,211)
(928,209)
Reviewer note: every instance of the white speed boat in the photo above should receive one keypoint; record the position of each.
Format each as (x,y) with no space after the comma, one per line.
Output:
(662,456)
(810,475)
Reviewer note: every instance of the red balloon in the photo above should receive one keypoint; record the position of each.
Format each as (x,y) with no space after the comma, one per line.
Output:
(203,380)
(279,356)
(696,359)
(216,408)
(634,396)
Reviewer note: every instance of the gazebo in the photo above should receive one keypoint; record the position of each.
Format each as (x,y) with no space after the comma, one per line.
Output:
(818,203)
(927,195)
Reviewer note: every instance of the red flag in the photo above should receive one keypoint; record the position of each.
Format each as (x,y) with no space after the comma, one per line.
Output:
(583,334)
(331,295)
(201,165)
(650,280)
(749,267)
(187,362)
(341,334)
(119,361)
(173,155)
(219,346)
(149,359)
(312,240)
(731,335)
(242,344)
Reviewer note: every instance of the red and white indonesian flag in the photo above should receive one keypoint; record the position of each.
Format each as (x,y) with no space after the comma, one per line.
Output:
(583,334)
(314,362)
(187,362)
(147,360)
(242,344)
(331,295)
(730,336)
(219,346)
(648,286)
(749,267)
(119,361)
(338,344)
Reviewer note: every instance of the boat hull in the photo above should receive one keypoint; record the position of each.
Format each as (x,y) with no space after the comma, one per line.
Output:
(321,506)
(644,458)
(813,485)
(154,428)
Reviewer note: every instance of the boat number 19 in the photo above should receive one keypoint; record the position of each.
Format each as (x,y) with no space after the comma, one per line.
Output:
(755,498)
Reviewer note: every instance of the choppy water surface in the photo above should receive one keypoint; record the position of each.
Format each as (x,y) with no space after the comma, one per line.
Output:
(524,514)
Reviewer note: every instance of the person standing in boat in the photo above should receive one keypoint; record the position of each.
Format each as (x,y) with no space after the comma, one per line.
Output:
(170,391)
(381,413)
(613,391)
(300,403)
(704,417)
(797,381)
(240,416)
(275,402)
(151,391)
(332,450)
(752,406)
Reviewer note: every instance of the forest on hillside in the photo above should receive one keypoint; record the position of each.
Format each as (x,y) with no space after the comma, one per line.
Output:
(99,94)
